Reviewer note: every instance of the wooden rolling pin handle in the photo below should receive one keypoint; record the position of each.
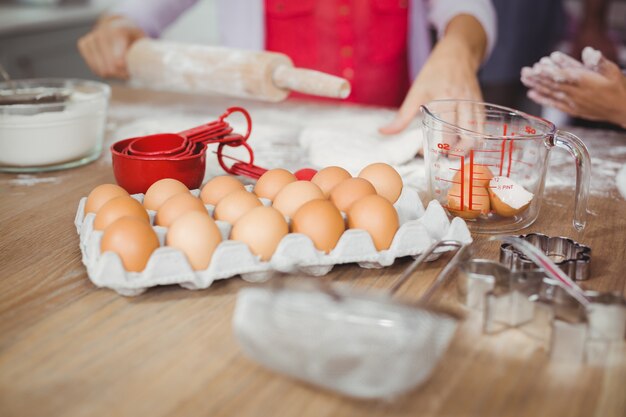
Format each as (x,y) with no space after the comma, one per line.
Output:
(310,82)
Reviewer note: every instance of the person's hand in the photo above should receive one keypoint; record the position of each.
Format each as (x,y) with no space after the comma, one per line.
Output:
(450,72)
(104,48)
(594,94)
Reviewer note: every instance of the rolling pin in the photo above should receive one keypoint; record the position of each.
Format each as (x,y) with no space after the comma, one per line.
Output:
(268,76)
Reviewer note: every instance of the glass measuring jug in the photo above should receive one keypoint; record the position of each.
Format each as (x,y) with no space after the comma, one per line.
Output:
(488,163)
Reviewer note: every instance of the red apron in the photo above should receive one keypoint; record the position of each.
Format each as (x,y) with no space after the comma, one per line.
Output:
(364,41)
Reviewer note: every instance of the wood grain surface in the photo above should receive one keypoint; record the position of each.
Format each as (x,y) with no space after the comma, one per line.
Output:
(68,348)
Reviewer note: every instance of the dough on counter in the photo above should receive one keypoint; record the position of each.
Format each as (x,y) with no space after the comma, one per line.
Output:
(355,149)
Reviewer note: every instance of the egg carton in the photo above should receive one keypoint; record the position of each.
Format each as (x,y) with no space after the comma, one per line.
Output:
(296,253)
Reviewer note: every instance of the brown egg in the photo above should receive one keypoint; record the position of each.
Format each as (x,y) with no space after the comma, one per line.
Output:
(376,215)
(101,195)
(235,205)
(197,236)
(350,190)
(329,177)
(262,229)
(176,206)
(385,179)
(132,239)
(161,191)
(117,208)
(272,182)
(481,175)
(321,221)
(507,197)
(219,187)
(479,205)
(294,195)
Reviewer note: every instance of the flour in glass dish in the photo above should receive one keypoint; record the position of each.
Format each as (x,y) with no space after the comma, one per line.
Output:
(53,137)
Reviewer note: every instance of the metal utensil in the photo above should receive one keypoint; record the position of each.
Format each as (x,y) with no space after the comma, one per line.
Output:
(361,345)
(550,269)
(544,303)
(572,257)
(42,95)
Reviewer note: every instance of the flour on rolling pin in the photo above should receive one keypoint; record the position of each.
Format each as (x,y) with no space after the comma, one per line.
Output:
(213,70)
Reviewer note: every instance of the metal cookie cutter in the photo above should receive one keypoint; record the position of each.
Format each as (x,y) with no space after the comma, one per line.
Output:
(534,304)
(572,257)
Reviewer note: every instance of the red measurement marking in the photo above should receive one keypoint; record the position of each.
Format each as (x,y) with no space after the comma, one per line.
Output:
(471,178)
(454,195)
(497,159)
(486,165)
(462,182)
(511,142)
(502,147)
(481,195)
(487,150)
(458,156)
(530,130)
(450,181)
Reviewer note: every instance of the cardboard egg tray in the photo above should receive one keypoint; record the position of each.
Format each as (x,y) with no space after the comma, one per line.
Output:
(419,228)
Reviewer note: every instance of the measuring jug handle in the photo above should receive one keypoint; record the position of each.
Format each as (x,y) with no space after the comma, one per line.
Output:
(575,146)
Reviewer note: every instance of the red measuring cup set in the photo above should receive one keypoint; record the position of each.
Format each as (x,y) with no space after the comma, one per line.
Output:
(139,162)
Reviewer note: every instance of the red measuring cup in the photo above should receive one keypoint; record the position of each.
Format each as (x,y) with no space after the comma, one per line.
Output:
(160,145)
(137,173)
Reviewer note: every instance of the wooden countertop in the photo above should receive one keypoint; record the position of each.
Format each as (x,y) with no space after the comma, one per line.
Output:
(68,348)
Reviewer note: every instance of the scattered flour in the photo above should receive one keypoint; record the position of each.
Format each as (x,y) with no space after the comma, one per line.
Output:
(289,135)
(297,134)
(621,181)
(30,180)
(605,164)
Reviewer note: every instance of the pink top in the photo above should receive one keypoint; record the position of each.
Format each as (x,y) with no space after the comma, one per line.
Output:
(363,41)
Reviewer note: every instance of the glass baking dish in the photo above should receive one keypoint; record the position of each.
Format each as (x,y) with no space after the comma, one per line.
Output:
(50,136)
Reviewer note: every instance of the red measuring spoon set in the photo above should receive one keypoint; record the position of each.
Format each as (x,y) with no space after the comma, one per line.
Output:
(141,161)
